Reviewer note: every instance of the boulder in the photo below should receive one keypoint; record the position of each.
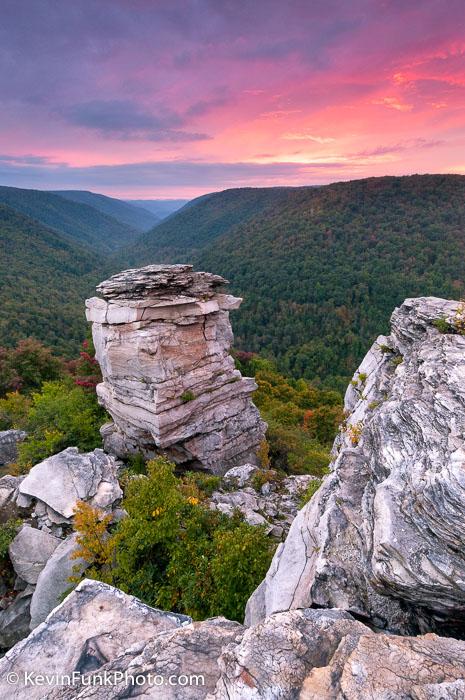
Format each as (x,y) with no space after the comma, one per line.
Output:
(53,580)
(162,338)
(274,504)
(380,537)
(10,508)
(62,480)
(9,440)
(385,667)
(15,619)
(241,475)
(188,655)
(273,659)
(95,624)
(30,551)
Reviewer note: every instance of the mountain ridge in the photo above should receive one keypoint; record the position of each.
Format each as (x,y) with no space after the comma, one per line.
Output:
(79,222)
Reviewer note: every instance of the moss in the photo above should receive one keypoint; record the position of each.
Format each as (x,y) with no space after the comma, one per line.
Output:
(443,326)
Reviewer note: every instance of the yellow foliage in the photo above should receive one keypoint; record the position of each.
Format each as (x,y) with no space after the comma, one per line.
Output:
(263,454)
(95,544)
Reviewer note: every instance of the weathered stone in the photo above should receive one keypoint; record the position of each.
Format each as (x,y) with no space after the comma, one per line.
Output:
(9,440)
(14,620)
(381,535)
(162,337)
(189,652)
(53,580)
(30,551)
(241,475)
(64,479)
(274,658)
(95,624)
(273,505)
(387,667)
(9,506)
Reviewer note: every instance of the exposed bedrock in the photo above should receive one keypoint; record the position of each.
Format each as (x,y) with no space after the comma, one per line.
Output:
(162,337)
(384,536)
(112,646)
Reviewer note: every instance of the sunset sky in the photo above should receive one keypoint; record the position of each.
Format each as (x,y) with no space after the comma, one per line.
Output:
(155,98)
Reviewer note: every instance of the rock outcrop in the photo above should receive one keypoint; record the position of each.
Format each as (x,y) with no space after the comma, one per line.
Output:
(41,553)
(162,337)
(262,496)
(94,625)
(101,643)
(383,536)
(59,482)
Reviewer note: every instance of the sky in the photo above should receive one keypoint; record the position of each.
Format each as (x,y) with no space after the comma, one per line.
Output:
(166,99)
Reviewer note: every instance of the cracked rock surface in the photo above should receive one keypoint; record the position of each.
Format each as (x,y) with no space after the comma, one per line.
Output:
(95,624)
(162,337)
(383,536)
(299,654)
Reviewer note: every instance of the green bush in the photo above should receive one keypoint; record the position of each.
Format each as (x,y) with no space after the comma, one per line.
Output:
(173,552)
(14,408)
(311,489)
(8,532)
(60,415)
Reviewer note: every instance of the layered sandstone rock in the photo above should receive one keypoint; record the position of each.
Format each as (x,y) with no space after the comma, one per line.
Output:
(384,536)
(102,644)
(162,337)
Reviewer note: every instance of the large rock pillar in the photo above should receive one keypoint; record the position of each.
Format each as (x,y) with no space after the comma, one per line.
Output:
(162,337)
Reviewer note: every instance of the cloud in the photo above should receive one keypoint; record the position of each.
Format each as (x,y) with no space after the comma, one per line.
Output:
(176,173)
(125,120)
(302,136)
(393,103)
(400,147)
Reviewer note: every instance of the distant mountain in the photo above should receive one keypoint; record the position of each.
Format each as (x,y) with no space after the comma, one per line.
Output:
(44,279)
(321,269)
(81,222)
(206,218)
(161,208)
(134,216)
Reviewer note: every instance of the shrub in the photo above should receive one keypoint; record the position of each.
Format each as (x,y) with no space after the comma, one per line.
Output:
(95,545)
(205,483)
(8,532)
(311,489)
(60,415)
(27,366)
(14,409)
(172,551)
(187,396)
(137,464)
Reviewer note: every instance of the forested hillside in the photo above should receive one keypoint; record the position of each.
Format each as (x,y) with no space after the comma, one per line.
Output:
(206,218)
(321,269)
(134,216)
(81,222)
(44,279)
